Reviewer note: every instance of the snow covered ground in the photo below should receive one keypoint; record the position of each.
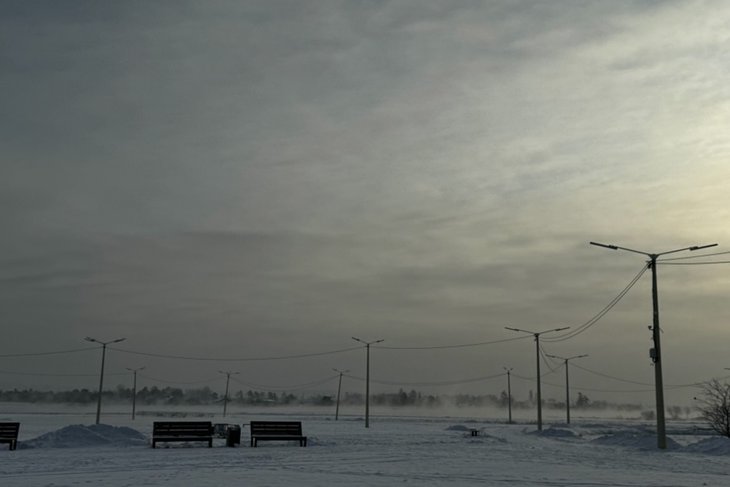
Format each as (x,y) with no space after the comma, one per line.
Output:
(65,449)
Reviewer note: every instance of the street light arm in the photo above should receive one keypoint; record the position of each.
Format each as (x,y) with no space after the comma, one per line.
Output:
(700,247)
(616,247)
(517,329)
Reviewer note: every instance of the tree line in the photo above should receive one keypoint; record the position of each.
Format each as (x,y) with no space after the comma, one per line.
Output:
(206,396)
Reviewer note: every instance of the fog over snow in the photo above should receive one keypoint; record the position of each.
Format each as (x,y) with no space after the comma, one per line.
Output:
(267,179)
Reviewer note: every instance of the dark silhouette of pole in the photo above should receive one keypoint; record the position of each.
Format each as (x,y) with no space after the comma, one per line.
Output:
(656,354)
(225,396)
(567,384)
(509,394)
(134,389)
(367,378)
(537,352)
(339,387)
(101,375)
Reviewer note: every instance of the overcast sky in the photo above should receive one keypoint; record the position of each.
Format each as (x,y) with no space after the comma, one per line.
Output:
(267,179)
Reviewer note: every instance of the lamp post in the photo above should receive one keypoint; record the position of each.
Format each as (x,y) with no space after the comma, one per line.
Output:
(655,353)
(567,384)
(367,378)
(509,394)
(134,388)
(537,351)
(101,375)
(225,397)
(339,387)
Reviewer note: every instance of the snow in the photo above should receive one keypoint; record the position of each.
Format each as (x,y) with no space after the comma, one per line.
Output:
(65,449)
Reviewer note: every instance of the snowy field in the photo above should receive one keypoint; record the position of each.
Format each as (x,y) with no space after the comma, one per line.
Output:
(64,448)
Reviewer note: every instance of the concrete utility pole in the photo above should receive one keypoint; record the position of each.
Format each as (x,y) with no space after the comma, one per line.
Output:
(367,378)
(509,394)
(225,397)
(339,387)
(656,352)
(537,351)
(567,384)
(101,375)
(134,389)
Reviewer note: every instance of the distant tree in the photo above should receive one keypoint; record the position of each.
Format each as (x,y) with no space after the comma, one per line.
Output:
(674,412)
(714,406)
(582,401)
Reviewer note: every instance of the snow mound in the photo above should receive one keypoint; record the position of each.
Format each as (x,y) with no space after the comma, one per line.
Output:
(458,427)
(556,433)
(716,445)
(635,439)
(79,436)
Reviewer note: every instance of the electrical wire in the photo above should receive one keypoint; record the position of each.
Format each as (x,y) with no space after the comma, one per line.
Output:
(242,359)
(164,381)
(433,384)
(45,374)
(295,387)
(696,263)
(585,326)
(695,256)
(39,354)
(463,345)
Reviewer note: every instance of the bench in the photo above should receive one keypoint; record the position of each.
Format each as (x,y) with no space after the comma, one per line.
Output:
(277,430)
(182,431)
(9,434)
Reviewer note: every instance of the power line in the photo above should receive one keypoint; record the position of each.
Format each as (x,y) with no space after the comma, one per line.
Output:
(433,384)
(241,359)
(295,387)
(44,374)
(463,345)
(701,256)
(696,263)
(38,354)
(585,326)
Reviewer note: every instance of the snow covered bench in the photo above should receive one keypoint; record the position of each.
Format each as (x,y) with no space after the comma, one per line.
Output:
(182,431)
(277,430)
(9,434)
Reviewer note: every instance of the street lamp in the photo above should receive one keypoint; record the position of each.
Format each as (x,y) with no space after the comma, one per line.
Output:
(339,387)
(509,393)
(225,397)
(101,375)
(567,383)
(134,388)
(367,378)
(655,353)
(537,349)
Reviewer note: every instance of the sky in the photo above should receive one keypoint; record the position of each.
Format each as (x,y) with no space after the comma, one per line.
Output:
(268,179)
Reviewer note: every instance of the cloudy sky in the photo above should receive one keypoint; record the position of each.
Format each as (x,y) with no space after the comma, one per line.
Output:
(265,179)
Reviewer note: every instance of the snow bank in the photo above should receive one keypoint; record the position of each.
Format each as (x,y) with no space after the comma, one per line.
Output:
(643,440)
(78,436)
(716,445)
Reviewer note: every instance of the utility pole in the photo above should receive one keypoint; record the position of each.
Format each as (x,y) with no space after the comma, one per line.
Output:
(225,397)
(509,393)
(537,352)
(656,352)
(567,384)
(367,378)
(339,387)
(101,375)
(134,389)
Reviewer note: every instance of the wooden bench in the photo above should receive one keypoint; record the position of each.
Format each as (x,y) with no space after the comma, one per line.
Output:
(182,431)
(277,430)
(9,434)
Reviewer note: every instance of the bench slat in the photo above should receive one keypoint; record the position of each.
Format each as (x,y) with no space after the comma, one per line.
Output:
(9,434)
(182,431)
(277,430)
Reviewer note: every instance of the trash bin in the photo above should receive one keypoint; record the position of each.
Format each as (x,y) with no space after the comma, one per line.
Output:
(233,435)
